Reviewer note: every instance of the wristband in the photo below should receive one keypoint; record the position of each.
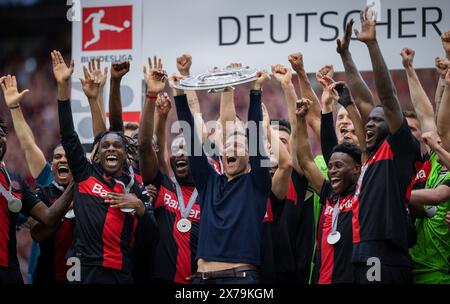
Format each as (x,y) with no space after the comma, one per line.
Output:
(256,92)
(345,98)
(14,107)
(151,97)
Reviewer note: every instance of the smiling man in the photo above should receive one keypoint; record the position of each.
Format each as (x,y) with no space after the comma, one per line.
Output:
(333,263)
(233,204)
(109,202)
(176,207)
(380,225)
(54,241)
(16,196)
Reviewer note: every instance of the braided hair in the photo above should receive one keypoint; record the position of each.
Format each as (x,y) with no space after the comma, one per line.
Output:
(130,148)
(3,127)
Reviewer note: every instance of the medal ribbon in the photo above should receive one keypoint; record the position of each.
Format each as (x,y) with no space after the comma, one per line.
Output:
(7,193)
(334,218)
(127,188)
(185,210)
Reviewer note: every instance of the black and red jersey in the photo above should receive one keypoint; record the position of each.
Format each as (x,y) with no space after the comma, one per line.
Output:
(104,236)
(280,232)
(51,266)
(333,262)
(423,169)
(8,220)
(283,230)
(175,257)
(383,191)
(267,270)
(300,217)
(268,261)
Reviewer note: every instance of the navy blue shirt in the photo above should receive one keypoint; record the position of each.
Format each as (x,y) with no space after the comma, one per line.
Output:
(231,212)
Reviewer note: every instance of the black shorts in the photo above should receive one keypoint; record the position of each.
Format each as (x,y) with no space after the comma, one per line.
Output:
(10,276)
(103,275)
(389,274)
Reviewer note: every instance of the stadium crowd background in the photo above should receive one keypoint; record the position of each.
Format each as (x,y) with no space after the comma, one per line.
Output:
(32,28)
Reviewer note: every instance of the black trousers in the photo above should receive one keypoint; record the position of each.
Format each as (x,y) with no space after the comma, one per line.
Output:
(10,276)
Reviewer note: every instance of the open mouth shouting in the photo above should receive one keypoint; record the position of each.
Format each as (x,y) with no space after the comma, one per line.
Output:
(231,160)
(63,172)
(370,136)
(112,160)
(181,164)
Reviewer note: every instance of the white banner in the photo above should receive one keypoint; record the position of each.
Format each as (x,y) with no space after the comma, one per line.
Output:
(260,33)
(257,33)
(112,31)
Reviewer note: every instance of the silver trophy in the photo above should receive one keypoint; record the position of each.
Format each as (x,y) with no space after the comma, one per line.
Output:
(217,79)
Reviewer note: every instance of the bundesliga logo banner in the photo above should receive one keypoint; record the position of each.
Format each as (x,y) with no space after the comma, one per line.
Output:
(110,30)
(257,33)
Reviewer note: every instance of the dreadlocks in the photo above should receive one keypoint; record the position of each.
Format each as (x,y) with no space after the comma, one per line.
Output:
(130,148)
(3,127)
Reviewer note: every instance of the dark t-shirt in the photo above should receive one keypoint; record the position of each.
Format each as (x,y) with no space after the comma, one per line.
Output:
(232,212)
(273,213)
(383,193)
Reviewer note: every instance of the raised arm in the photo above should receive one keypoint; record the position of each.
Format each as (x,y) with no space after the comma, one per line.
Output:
(419,98)
(69,138)
(199,166)
(328,138)
(383,81)
(306,91)
(445,39)
(360,91)
(346,100)
(304,155)
(282,176)
(155,79)
(163,107)
(442,66)
(443,121)
(284,76)
(91,88)
(33,155)
(255,116)
(227,114)
(95,69)
(184,63)
(118,70)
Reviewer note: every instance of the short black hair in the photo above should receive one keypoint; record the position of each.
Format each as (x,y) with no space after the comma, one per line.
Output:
(283,124)
(131,126)
(350,149)
(53,148)
(410,114)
